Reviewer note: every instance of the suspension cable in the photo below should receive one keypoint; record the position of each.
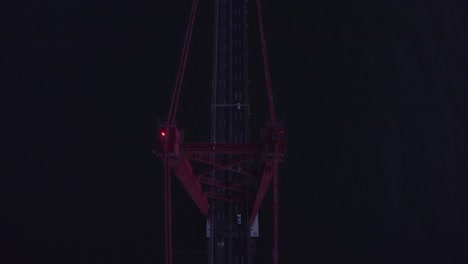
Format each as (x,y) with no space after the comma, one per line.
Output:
(265,64)
(182,64)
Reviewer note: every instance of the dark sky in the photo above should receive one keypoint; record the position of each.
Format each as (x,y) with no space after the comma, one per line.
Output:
(374,95)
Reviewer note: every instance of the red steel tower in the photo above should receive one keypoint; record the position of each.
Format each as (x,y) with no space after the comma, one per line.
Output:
(232,173)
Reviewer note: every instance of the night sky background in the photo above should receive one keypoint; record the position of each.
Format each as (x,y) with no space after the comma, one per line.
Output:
(373,93)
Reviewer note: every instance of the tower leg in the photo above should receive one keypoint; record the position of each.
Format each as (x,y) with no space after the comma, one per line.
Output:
(275,212)
(167,211)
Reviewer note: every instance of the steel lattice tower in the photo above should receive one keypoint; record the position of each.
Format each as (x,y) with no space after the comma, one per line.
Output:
(237,172)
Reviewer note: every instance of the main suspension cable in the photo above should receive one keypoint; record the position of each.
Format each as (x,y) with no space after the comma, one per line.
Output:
(182,64)
(265,64)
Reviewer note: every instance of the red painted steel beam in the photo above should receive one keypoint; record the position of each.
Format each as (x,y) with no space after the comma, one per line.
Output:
(184,172)
(275,207)
(167,208)
(221,148)
(218,167)
(221,184)
(265,180)
(221,197)
(211,170)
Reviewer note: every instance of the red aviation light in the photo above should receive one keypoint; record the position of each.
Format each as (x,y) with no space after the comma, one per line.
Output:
(163,134)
